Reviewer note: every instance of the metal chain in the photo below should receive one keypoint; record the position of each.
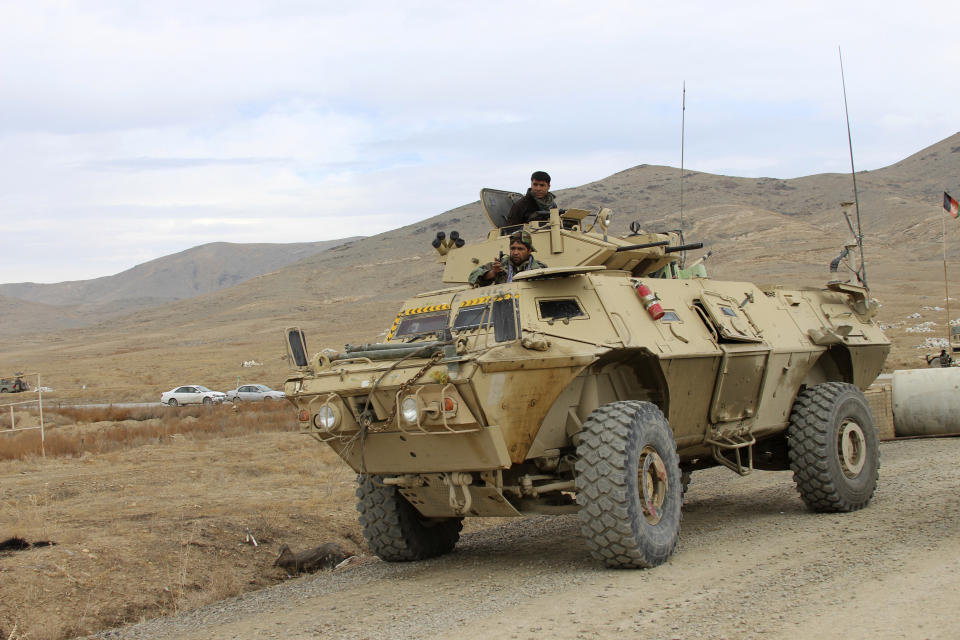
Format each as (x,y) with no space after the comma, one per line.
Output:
(409,383)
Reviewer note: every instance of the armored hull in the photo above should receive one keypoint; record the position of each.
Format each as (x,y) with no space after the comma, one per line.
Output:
(596,385)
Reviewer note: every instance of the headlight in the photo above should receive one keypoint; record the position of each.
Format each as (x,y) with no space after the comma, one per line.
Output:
(409,409)
(326,418)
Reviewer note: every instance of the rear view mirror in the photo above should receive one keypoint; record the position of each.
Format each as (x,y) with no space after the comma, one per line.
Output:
(296,346)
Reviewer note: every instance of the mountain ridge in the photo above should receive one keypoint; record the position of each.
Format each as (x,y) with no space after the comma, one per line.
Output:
(758,229)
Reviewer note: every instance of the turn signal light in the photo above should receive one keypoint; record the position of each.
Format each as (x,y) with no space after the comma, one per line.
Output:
(303,416)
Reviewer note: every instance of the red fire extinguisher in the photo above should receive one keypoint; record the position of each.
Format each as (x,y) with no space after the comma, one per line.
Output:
(650,300)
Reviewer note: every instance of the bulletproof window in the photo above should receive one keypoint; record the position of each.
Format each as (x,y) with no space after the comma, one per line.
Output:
(422,324)
(556,309)
(505,320)
(670,316)
(471,317)
(727,311)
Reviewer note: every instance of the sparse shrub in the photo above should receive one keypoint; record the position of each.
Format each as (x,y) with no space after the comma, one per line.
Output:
(74,431)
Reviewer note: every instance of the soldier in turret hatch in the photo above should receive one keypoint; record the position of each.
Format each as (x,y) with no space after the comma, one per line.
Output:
(536,204)
(521,248)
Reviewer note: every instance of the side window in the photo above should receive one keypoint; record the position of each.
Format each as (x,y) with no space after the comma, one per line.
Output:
(562,308)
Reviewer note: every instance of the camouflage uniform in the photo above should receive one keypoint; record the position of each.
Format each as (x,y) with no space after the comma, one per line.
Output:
(509,270)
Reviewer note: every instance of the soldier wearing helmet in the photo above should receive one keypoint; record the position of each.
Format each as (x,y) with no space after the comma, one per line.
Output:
(521,248)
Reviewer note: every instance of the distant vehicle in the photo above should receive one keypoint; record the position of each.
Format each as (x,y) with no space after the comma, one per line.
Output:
(191,394)
(253,392)
(13,386)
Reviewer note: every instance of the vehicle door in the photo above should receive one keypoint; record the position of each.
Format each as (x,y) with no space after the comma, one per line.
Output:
(248,393)
(188,395)
(744,361)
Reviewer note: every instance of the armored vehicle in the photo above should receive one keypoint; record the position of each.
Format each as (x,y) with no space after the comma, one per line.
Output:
(596,385)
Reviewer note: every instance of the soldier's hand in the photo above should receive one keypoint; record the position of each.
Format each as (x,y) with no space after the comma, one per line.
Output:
(495,268)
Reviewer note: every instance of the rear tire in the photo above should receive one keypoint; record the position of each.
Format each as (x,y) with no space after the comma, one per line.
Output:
(172,402)
(395,530)
(833,447)
(629,485)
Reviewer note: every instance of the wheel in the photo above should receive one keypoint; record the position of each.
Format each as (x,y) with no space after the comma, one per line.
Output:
(207,401)
(395,530)
(172,402)
(833,447)
(629,485)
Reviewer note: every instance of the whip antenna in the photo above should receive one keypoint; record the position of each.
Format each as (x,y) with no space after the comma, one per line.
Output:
(862,271)
(683,124)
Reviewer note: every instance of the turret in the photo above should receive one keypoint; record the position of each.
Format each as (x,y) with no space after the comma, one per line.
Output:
(569,239)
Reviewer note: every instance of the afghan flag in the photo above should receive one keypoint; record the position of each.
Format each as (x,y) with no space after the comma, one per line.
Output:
(951,205)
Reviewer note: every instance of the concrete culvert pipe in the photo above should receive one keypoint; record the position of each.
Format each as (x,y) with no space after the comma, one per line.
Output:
(926,402)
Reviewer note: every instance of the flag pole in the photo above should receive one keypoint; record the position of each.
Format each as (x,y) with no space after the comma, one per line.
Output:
(946,289)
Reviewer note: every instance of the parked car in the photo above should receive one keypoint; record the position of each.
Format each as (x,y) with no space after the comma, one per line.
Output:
(250,392)
(15,385)
(191,394)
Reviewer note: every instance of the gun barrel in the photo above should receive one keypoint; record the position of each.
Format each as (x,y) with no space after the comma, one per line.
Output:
(645,245)
(684,247)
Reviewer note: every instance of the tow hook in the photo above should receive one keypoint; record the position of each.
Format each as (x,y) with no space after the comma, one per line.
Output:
(462,480)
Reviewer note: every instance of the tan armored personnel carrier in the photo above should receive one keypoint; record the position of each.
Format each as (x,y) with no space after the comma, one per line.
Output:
(596,385)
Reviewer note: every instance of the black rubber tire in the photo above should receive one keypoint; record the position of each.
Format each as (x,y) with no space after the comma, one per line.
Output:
(612,520)
(395,530)
(172,402)
(827,479)
(207,401)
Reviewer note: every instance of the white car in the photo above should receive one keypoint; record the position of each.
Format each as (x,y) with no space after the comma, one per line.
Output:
(250,392)
(191,394)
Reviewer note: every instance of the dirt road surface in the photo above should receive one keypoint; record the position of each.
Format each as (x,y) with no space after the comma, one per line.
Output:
(752,563)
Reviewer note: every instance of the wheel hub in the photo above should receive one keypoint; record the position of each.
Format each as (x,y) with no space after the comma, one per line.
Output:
(653,484)
(852,448)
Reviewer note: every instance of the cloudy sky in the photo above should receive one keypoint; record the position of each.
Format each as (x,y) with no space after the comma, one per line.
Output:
(131,130)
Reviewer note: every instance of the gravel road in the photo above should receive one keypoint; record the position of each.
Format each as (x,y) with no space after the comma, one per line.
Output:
(752,563)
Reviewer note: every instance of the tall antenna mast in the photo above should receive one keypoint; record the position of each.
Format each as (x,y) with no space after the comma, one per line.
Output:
(683,126)
(862,271)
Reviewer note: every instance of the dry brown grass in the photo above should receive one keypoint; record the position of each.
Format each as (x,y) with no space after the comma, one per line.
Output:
(75,431)
(155,524)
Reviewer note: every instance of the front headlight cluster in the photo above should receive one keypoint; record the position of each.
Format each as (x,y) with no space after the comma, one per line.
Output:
(327,418)
(409,410)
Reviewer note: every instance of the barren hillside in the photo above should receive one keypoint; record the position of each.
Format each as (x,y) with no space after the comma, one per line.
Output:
(762,229)
(196,271)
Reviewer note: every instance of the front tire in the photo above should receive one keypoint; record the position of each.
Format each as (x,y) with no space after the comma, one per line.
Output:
(395,530)
(833,447)
(629,485)
(207,401)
